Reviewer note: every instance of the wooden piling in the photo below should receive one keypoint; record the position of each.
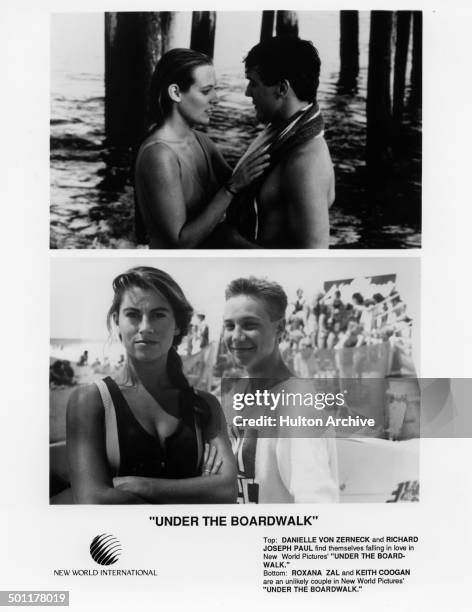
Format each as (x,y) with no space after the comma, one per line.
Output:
(133,44)
(416,77)
(203,32)
(403,22)
(286,23)
(267,25)
(349,51)
(379,114)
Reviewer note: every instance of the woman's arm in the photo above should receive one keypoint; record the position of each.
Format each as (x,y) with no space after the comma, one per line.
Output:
(220,487)
(159,175)
(89,471)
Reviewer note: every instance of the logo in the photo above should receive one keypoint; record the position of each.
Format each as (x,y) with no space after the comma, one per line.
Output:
(105,549)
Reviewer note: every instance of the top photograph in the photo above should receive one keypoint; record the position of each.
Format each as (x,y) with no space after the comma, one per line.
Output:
(236,130)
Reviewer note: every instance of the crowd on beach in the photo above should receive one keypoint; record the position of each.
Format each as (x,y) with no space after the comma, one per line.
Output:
(198,337)
(329,322)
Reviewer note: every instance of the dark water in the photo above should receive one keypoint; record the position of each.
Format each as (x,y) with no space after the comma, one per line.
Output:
(92,198)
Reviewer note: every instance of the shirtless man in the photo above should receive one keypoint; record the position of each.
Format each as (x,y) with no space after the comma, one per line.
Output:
(277,469)
(297,191)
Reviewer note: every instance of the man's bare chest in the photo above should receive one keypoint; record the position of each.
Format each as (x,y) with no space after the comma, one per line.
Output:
(273,222)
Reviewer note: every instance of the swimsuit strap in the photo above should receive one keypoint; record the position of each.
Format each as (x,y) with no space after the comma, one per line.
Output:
(157,141)
(203,144)
(112,398)
(111,428)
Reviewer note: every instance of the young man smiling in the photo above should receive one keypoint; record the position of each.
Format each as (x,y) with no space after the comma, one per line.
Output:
(272,470)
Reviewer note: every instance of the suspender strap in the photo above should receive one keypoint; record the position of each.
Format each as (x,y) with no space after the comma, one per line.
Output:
(199,438)
(198,433)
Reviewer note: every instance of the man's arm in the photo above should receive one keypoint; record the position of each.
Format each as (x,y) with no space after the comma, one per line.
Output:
(308,468)
(308,189)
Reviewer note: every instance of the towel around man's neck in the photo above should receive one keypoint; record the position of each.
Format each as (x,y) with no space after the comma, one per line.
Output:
(278,141)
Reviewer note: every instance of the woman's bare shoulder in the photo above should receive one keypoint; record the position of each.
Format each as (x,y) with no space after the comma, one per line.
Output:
(85,401)
(154,149)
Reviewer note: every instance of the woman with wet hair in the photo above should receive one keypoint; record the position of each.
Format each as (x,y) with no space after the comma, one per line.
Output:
(145,435)
(183,185)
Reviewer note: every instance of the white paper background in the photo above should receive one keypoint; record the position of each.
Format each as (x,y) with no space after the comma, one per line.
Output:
(215,568)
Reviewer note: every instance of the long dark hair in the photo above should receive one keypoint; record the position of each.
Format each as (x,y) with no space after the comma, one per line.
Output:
(153,279)
(175,66)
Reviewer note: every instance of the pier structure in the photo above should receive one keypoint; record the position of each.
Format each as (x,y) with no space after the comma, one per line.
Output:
(134,42)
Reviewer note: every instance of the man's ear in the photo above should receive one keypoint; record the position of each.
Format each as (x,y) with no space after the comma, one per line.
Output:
(280,328)
(283,89)
(174,92)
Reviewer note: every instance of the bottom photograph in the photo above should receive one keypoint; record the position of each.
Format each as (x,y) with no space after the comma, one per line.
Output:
(178,380)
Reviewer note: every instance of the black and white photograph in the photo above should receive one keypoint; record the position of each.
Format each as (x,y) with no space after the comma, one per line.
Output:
(236,130)
(140,348)
(191,425)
